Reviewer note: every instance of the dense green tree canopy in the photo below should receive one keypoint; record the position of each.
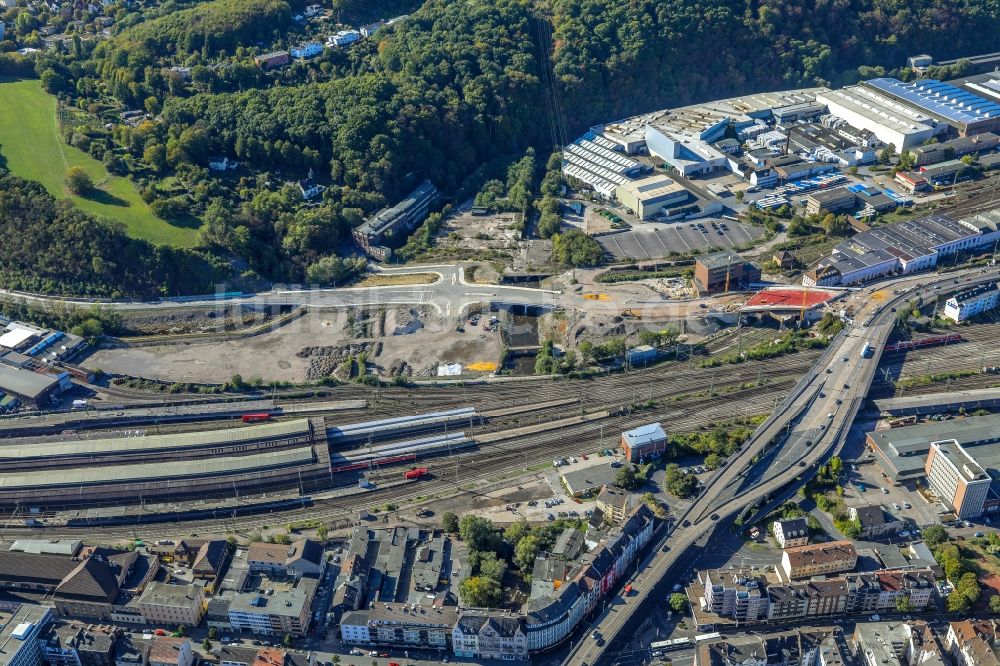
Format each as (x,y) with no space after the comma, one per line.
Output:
(453,88)
(51,247)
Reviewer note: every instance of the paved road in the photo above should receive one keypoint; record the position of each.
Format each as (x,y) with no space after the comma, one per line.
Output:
(807,427)
(450,294)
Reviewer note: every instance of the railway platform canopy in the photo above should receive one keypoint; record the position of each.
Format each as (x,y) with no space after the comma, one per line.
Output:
(987,398)
(179,470)
(297,431)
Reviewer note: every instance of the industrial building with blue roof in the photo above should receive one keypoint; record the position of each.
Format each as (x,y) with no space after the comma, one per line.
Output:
(966,112)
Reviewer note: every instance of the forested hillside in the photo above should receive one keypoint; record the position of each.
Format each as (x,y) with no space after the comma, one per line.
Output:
(460,83)
(456,93)
(50,247)
(207,29)
(454,88)
(620,58)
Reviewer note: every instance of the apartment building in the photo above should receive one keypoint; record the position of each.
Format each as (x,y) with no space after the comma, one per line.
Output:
(76,643)
(882,590)
(20,629)
(282,611)
(805,646)
(748,596)
(173,605)
(490,636)
(400,625)
(302,558)
(873,521)
(170,651)
(817,559)
(973,643)
(807,599)
(614,503)
(881,643)
(956,477)
(925,647)
(967,304)
(570,583)
(740,595)
(791,533)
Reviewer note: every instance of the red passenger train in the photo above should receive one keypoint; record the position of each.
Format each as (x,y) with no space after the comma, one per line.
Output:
(907,345)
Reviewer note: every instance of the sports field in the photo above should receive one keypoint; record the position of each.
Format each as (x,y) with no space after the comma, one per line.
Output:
(31,147)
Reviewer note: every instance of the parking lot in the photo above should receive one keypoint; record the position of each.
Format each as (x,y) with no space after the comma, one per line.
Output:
(654,240)
(879,490)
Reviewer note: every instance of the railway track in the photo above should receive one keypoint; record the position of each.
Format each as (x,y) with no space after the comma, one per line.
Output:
(978,349)
(680,393)
(462,472)
(981,197)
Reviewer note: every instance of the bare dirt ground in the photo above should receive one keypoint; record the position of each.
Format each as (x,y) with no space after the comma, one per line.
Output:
(401,339)
(193,320)
(495,238)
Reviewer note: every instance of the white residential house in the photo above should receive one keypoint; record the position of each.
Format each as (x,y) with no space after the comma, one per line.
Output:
(968,304)
(222,164)
(307,50)
(370,29)
(310,189)
(790,533)
(343,38)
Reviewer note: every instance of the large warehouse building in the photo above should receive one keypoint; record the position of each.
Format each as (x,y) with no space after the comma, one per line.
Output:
(960,458)
(888,119)
(32,388)
(593,161)
(966,112)
(648,196)
(904,247)
(690,154)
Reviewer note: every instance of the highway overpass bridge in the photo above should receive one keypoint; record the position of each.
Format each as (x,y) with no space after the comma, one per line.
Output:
(786,448)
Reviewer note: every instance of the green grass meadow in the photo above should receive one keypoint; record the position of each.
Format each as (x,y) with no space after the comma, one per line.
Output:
(32,148)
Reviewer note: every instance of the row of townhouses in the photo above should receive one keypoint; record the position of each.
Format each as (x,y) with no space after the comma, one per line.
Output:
(749,595)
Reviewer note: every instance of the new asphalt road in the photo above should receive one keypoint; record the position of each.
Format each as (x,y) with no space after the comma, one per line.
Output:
(450,294)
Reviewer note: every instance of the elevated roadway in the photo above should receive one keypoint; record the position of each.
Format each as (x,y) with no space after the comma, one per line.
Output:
(788,446)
